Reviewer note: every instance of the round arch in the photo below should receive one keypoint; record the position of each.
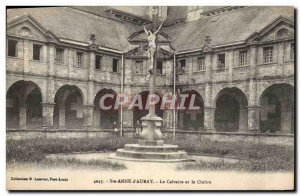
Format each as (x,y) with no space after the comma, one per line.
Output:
(191,119)
(231,113)
(68,109)
(106,118)
(277,109)
(24,105)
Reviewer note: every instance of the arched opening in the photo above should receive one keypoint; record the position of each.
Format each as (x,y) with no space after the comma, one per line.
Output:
(139,113)
(68,110)
(105,118)
(24,105)
(231,113)
(191,119)
(277,109)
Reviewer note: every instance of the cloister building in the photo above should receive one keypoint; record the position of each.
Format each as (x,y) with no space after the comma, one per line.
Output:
(239,61)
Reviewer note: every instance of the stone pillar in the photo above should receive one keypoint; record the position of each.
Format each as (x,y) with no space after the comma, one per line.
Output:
(51,60)
(88,116)
(22,116)
(253,108)
(48,109)
(209,119)
(286,117)
(62,117)
(243,120)
(97,122)
(91,70)
(253,118)
(26,56)
(230,62)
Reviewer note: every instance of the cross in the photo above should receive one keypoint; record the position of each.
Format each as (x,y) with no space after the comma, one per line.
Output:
(266,109)
(78,108)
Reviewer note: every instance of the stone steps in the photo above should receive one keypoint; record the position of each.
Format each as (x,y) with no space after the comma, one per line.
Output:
(151,155)
(143,148)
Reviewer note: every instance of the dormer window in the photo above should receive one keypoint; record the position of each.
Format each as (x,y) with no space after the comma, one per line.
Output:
(12,48)
(37,48)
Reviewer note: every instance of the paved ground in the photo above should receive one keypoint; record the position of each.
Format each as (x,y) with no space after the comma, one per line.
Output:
(142,175)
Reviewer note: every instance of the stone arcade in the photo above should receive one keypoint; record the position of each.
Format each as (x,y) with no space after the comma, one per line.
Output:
(239,61)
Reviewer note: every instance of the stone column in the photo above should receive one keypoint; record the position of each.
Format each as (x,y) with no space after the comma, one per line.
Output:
(62,117)
(253,108)
(97,121)
(209,110)
(209,119)
(88,116)
(243,120)
(26,56)
(286,116)
(22,116)
(91,70)
(51,60)
(48,109)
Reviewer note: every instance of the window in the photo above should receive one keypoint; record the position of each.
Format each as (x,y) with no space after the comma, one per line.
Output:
(292,52)
(12,48)
(221,61)
(159,66)
(59,56)
(268,54)
(200,64)
(138,67)
(115,65)
(182,66)
(243,58)
(79,59)
(37,52)
(98,62)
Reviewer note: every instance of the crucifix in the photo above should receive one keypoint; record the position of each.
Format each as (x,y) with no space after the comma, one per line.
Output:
(152,54)
(152,123)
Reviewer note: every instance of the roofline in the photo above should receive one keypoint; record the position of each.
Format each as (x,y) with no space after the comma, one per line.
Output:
(86,44)
(131,15)
(217,46)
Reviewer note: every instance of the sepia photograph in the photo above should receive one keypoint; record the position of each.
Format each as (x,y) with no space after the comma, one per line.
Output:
(150,98)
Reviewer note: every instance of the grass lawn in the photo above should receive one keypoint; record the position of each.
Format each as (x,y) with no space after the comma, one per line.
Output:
(260,157)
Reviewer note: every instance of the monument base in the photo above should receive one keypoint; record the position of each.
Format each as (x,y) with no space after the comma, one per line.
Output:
(150,153)
(151,146)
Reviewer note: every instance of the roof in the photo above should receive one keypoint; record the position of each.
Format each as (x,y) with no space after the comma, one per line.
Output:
(77,25)
(229,27)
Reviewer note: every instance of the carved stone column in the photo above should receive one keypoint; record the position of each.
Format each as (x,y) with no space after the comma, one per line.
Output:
(48,109)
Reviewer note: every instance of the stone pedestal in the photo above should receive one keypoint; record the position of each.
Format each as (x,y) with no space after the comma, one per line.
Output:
(151,147)
(151,128)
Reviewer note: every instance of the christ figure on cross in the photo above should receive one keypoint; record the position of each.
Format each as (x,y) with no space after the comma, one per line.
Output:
(151,48)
